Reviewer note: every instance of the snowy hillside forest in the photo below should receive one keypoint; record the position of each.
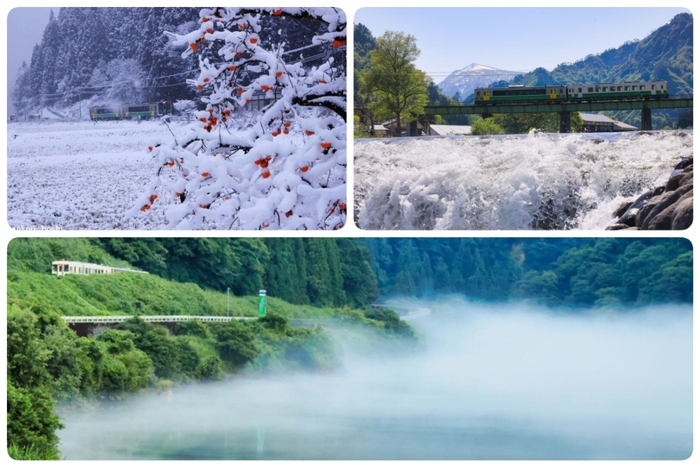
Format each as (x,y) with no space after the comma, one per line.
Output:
(109,56)
(113,54)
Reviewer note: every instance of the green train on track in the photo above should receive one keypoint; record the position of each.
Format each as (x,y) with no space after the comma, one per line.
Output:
(571,93)
(132,111)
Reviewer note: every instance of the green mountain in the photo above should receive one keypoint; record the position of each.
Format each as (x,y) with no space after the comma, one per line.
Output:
(665,54)
(317,272)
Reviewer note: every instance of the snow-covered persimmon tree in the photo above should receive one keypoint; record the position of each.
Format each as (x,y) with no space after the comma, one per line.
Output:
(269,149)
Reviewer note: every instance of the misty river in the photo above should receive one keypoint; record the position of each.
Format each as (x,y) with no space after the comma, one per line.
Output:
(488,382)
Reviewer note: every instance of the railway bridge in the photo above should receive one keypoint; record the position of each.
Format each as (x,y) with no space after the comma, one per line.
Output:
(565,108)
(86,325)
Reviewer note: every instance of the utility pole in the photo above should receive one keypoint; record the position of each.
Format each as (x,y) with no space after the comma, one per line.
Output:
(228,308)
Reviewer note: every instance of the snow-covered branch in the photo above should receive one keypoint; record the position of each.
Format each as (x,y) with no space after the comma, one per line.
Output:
(267,149)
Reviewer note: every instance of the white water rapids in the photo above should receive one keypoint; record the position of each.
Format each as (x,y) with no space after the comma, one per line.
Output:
(537,181)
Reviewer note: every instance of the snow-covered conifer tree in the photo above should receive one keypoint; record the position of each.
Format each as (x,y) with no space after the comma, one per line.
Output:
(268,148)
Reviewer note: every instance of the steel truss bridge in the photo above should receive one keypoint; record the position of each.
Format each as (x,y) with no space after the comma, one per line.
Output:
(565,108)
(85,325)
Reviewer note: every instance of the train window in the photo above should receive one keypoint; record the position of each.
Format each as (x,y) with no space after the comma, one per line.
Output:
(642,87)
(590,89)
(634,88)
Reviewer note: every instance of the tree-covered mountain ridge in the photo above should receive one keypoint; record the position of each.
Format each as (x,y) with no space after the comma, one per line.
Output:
(665,54)
(316,272)
(355,273)
(566,273)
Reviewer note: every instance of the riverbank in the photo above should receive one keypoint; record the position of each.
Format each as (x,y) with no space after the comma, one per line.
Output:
(666,207)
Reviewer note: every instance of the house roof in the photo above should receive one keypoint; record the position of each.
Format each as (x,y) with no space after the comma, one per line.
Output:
(392,122)
(596,118)
(625,126)
(444,130)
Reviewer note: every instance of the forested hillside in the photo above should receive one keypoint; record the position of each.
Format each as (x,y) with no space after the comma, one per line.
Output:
(320,272)
(123,56)
(356,272)
(665,54)
(119,54)
(558,272)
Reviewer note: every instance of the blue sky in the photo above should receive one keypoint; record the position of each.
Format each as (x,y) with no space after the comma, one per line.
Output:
(516,39)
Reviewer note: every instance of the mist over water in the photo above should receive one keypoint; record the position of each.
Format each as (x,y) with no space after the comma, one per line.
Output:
(489,382)
(516,182)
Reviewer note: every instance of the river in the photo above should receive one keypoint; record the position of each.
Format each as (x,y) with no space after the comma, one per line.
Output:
(516,182)
(488,382)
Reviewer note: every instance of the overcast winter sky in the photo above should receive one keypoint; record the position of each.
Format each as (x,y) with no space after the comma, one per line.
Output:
(515,39)
(25,26)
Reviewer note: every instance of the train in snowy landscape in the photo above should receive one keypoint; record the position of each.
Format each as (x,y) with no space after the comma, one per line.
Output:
(132,111)
(516,94)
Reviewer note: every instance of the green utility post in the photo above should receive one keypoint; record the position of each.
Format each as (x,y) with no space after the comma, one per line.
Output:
(262,305)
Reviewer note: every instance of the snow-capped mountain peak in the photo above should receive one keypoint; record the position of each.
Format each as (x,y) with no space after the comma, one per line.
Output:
(475,67)
(464,81)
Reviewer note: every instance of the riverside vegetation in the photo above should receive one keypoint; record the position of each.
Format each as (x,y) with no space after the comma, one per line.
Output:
(49,364)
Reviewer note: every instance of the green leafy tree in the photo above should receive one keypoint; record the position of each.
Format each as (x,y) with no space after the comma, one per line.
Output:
(124,367)
(359,129)
(398,90)
(487,126)
(523,123)
(235,343)
(325,279)
(391,321)
(286,272)
(576,122)
(31,421)
(359,282)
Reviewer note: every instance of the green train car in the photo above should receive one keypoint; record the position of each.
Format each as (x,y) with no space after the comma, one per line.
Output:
(571,93)
(134,111)
(105,113)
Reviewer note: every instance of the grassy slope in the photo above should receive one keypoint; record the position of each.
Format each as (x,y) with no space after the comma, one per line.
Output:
(136,294)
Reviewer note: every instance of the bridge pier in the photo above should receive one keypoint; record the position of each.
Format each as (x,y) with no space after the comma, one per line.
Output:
(565,121)
(646,119)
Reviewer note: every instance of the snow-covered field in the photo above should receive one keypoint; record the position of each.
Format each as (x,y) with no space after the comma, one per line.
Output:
(79,175)
(534,181)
